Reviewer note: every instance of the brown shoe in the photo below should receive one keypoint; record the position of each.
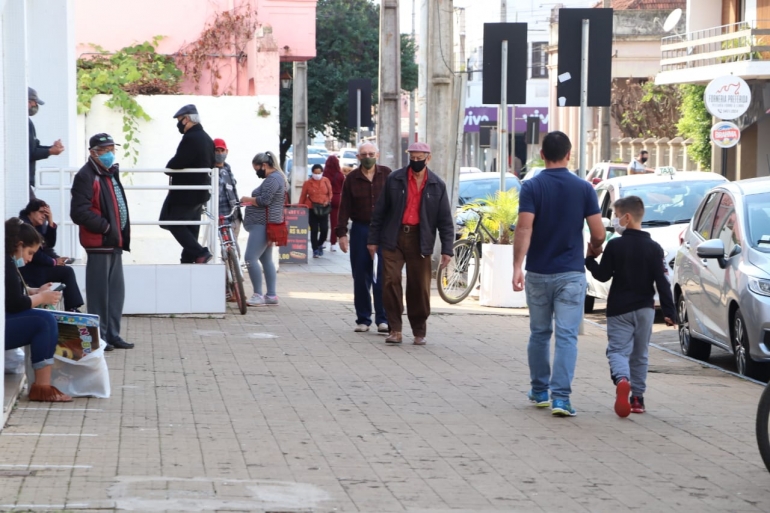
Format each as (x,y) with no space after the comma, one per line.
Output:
(47,394)
(394,338)
(420,341)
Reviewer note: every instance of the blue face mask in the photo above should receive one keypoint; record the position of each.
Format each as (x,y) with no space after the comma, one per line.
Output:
(19,262)
(107,159)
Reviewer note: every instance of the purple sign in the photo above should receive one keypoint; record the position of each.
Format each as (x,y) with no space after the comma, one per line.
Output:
(476,115)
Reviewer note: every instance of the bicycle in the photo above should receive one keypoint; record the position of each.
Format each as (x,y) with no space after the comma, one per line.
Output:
(231,258)
(763,435)
(456,281)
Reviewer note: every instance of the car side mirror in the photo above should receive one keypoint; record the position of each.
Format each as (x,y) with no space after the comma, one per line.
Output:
(712,249)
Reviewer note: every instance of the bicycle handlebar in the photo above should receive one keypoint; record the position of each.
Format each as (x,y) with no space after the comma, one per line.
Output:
(235,207)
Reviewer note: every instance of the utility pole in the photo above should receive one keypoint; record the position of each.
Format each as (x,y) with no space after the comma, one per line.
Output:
(412,106)
(299,135)
(389,123)
(605,133)
(440,75)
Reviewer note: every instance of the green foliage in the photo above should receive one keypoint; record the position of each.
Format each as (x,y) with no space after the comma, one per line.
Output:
(347,47)
(643,109)
(695,123)
(130,71)
(502,208)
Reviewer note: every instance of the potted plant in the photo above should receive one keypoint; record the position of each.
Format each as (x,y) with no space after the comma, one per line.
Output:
(496,274)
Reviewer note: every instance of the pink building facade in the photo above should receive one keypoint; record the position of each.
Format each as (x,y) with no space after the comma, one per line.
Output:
(285,32)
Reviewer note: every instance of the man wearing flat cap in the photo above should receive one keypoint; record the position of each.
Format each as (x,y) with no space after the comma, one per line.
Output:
(100,209)
(195,151)
(36,150)
(412,207)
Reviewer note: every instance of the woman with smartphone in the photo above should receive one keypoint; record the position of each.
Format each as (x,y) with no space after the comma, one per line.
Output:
(25,324)
(46,266)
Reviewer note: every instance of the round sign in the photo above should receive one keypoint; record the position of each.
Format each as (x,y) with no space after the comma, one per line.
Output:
(727,97)
(725,134)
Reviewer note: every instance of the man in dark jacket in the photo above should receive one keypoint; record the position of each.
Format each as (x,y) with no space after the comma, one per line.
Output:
(100,209)
(195,151)
(36,150)
(47,266)
(411,208)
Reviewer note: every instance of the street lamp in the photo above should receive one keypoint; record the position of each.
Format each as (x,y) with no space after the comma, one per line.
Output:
(285,80)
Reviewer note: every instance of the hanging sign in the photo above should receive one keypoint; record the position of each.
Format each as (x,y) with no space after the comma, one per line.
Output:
(727,97)
(725,134)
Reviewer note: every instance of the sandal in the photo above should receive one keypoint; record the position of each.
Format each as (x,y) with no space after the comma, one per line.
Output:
(47,394)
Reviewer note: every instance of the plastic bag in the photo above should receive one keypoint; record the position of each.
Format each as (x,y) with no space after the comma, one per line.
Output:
(87,377)
(14,361)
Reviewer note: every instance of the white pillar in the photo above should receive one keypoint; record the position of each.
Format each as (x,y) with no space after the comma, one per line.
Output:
(389,123)
(299,136)
(16,137)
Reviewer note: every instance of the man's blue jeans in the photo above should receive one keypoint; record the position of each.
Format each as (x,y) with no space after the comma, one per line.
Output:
(363,277)
(554,299)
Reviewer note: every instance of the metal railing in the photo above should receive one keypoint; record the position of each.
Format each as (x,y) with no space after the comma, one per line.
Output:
(743,41)
(70,233)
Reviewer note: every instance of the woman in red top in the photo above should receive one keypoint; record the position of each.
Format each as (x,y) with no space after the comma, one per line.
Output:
(336,177)
(317,196)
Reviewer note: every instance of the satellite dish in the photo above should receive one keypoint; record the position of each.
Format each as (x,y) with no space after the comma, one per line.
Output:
(672,20)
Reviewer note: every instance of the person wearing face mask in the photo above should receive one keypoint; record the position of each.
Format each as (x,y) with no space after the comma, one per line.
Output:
(413,206)
(26,325)
(637,166)
(36,150)
(99,207)
(333,173)
(265,205)
(317,196)
(195,151)
(360,191)
(228,193)
(635,264)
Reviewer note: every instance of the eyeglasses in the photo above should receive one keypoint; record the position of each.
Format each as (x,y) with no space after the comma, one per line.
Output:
(101,150)
(367,155)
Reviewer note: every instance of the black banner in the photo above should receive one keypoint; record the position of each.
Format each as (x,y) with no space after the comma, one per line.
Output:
(365,86)
(494,35)
(295,252)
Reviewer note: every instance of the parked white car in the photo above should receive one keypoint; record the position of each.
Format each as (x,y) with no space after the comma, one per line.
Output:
(670,201)
(722,277)
(348,157)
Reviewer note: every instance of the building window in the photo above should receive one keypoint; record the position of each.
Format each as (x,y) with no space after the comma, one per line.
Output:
(539,60)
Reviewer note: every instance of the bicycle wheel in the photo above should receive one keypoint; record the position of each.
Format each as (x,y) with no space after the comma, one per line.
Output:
(235,280)
(763,436)
(456,280)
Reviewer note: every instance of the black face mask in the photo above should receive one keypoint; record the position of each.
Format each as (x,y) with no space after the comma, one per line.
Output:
(643,160)
(32,110)
(180,126)
(261,173)
(417,165)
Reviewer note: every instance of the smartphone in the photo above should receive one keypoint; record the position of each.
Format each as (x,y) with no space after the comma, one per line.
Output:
(69,261)
(58,287)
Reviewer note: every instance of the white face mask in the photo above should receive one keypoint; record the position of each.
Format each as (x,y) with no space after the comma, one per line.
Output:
(619,228)
(317,176)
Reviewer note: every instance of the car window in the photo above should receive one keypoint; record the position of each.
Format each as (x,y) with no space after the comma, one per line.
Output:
(729,232)
(706,220)
(669,201)
(725,207)
(617,171)
(758,221)
(605,202)
(594,172)
(349,155)
(473,191)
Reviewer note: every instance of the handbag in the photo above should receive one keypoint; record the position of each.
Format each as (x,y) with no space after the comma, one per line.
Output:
(277,233)
(321,210)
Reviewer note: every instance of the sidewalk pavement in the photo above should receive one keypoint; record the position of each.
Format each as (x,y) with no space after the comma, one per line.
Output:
(286,409)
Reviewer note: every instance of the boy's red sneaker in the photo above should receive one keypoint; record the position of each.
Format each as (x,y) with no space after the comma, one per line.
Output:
(622,390)
(637,404)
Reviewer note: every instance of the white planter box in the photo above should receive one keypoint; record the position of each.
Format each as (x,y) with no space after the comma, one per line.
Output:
(497,278)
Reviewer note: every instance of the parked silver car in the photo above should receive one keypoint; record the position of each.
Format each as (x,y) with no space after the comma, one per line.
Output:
(722,276)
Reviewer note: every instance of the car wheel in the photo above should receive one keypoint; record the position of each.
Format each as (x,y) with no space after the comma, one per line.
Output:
(690,346)
(588,306)
(743,361)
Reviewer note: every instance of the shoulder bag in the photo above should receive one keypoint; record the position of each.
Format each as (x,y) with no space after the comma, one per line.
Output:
(320,210)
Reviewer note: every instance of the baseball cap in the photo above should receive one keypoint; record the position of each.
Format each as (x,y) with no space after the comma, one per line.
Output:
(101,140)
(220,143)
(32,95)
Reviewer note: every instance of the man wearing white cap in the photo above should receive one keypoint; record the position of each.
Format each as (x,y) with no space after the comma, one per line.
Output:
(412,207)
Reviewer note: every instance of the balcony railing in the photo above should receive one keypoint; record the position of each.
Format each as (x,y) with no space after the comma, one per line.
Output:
(743,41)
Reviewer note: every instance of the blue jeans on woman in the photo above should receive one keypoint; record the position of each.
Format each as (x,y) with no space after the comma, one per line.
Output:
(35,328)
(554,299)
(259,257)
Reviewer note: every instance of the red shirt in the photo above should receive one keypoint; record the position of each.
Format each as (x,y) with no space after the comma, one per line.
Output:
(413,199)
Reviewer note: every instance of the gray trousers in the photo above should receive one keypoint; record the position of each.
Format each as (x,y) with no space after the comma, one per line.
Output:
(627,350)
(105,292)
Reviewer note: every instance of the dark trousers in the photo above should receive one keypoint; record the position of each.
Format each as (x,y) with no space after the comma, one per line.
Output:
(38,275)
(319,225)
(106,292)
(363,278)
(35,328)
(417,283)
(187,236)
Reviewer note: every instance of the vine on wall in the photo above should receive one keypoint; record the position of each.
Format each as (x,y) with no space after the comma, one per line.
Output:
(222,39)
(130,71)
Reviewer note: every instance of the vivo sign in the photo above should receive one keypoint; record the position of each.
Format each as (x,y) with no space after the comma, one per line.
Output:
(474,116)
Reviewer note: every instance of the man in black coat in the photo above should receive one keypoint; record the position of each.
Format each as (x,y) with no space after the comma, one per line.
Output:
(36,150)
(195,150)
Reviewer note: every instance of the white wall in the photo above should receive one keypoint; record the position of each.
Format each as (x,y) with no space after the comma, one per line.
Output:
(703,14)
(232,118)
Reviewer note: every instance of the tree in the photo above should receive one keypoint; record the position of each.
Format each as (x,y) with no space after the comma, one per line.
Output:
(643,109)
(347,47)
(695,123)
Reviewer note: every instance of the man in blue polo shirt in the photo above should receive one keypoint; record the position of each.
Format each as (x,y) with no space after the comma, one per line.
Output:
(549,232)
